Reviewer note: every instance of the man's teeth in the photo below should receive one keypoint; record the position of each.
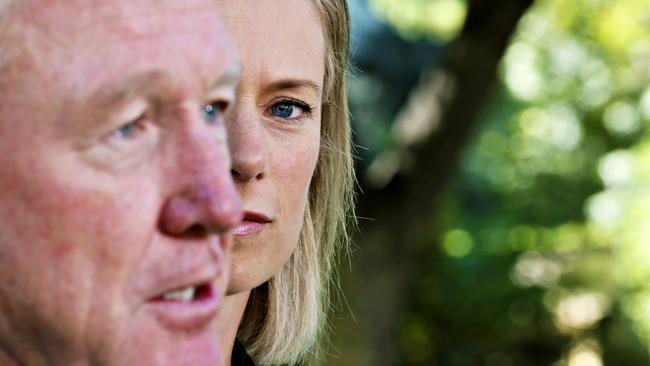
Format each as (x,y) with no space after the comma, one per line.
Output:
(184,294)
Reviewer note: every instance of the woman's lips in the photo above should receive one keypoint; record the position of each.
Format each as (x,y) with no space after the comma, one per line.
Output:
(253,222)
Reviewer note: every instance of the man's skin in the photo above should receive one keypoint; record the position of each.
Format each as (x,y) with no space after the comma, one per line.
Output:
(115,185)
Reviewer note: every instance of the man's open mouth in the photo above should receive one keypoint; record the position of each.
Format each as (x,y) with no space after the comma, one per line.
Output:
(187,294)
(186,309)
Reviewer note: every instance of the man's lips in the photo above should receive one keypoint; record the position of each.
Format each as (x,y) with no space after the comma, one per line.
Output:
(185,298)
(253,222)
(186,310)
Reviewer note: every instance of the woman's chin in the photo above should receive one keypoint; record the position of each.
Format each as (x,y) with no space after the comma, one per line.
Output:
(244,282)
(254,264)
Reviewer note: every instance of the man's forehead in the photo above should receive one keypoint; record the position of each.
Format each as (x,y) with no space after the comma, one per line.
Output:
(95,14)
(60,29)
(89,44)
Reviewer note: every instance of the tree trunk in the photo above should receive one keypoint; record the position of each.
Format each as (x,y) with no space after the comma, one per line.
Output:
(401,213)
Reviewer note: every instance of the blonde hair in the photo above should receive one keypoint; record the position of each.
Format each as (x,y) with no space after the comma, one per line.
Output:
(285,317)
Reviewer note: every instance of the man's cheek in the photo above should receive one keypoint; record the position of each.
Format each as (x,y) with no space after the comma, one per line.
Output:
(91,228)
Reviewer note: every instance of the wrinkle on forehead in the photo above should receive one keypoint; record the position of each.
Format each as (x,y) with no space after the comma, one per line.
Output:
(44,28)
(61,22)
(134,16)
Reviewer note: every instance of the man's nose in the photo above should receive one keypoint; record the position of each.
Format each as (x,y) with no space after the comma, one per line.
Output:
(206,200)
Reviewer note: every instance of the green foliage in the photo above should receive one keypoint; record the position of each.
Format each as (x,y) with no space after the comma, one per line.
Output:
(544,251)
(435,19)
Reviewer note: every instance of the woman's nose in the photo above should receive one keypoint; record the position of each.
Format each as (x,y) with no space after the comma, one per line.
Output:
(248,148)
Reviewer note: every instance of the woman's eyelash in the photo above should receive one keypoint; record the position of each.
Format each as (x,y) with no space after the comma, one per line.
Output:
(286,108)
(304,106)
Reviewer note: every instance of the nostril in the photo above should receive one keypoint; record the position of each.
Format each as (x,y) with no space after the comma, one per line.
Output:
(184,216)
(248,165)
(243,177)
(201,210)
(196,231)
(177,214)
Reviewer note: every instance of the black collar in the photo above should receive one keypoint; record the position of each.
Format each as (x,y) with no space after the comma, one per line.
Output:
(239,355)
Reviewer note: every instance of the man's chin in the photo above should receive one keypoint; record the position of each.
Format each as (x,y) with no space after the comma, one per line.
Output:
(198,350)
(157,345)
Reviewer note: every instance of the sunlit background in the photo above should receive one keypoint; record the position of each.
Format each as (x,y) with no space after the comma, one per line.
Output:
(540,244)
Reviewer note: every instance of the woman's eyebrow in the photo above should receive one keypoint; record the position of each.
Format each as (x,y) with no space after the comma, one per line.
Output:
(288,84)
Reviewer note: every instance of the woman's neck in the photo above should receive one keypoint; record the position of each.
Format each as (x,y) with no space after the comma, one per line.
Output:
(230,315)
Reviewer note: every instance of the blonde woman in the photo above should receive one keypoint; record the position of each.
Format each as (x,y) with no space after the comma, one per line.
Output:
(289,137)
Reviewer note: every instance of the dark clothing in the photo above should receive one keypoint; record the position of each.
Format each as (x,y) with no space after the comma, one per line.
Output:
(240,357)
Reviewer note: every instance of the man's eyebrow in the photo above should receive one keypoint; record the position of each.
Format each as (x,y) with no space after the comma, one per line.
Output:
(134,86)
(288,84)
(230,77)
(145,83)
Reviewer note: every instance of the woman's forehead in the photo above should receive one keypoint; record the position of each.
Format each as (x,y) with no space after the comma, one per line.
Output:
(290,45)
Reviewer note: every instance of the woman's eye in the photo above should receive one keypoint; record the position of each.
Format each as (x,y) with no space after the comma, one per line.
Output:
(212,111)
(289,110)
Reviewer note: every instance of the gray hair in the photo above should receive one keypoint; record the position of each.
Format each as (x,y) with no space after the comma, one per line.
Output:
(4,4)
(7,8)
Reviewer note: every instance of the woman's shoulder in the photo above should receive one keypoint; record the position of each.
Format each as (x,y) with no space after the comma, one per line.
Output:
(240,357)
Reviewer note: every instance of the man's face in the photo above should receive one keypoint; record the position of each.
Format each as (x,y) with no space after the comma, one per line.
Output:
(115,188)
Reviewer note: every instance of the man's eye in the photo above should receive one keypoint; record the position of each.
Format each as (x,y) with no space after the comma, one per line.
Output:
(212,111)
(290,110)
(129,130)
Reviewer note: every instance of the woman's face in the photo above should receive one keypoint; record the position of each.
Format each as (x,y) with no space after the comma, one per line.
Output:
(274,129)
